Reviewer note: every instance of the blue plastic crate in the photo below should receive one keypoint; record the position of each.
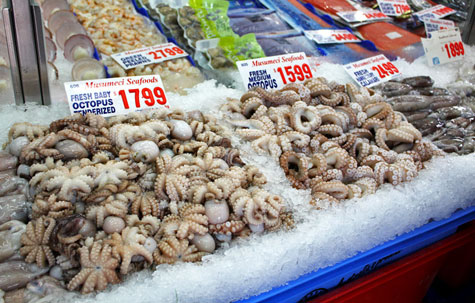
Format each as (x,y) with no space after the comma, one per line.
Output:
(321,281)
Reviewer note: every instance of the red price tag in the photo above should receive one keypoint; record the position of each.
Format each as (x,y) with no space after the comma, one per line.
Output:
(444,46)
(454,49)
(166,52)
(345,37)
(368,15)
(443,11)
(385,69)
(394,7)
(325,36)
(114,96)
(292,73)
(372,71)
(148,55)
(436,12)
(376,15)
(401,8)
(146,96)
(274,72)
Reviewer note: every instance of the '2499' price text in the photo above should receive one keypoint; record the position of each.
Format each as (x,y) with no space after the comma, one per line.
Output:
(385,69)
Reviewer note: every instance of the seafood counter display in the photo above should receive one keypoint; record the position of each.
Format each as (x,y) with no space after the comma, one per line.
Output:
(222,194)
(87,201)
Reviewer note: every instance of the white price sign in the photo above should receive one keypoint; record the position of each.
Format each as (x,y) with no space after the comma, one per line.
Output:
(433,25)
(435,12)
(393,7)
(148,55)
(444,46)
(362,16)
(115,96)
(372,71)
(274,72)
(325,36)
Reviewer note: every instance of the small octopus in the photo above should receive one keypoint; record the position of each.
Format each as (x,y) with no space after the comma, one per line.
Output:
(97,269)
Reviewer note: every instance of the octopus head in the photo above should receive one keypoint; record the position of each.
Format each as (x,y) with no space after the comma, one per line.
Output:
(73,228)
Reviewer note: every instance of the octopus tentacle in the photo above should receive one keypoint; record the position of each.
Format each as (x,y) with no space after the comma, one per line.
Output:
(295,167)
(304,118)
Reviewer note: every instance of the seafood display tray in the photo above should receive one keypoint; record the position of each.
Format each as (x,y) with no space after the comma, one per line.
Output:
(319,282)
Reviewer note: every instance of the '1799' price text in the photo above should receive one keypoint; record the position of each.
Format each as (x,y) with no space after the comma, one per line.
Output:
(148,96)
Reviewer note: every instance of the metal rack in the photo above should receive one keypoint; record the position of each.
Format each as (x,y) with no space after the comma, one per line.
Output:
(468,35)
(24,33)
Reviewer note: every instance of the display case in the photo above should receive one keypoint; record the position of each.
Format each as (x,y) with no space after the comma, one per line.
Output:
(229,151)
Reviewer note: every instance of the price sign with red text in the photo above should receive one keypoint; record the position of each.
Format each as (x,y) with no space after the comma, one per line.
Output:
(444,46)
(274,72)
(148,55)
(115,96)
(362,16)
(325,36)
(435,12)
(372,71)
(394,7)
(433,25)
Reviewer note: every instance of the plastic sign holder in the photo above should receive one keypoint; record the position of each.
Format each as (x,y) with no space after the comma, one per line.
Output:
(394,7)
(328,36)
(274,72)
(433,25)
(115,96)
(149,55)
(362,16)
(444,46)
(372,71)
(435,12)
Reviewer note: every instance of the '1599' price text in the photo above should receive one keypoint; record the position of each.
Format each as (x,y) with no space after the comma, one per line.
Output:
(146,95)
(293,73)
